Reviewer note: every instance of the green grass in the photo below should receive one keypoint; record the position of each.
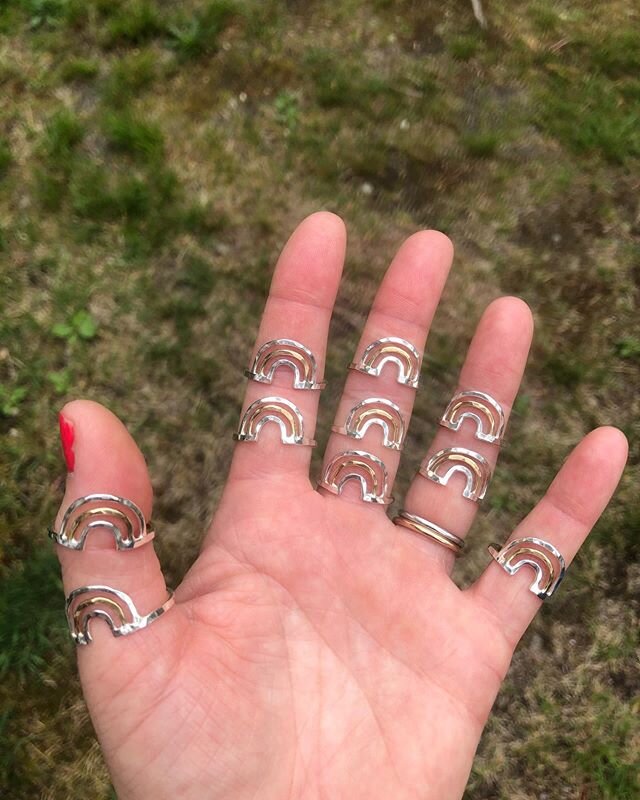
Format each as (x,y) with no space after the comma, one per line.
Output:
(153,158)
(30,593)
(198,34)
(5,157)
(127,133)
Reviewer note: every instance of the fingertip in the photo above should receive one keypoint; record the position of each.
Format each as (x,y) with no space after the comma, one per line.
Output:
(433,243)
(101,455)
(513,310)
(611,442)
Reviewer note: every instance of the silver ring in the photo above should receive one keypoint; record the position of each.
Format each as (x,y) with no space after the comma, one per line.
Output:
(283,412)
(486,412)
(375,411)
(545,559)
(427,528)
(119,516)
(112,605)
(398,351)
(285,352)
(367,469)
(445,463)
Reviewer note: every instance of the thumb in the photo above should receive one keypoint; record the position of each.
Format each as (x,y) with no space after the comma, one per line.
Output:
(101,457)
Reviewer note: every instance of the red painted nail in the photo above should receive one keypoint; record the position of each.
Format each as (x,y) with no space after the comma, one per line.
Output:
(67,435)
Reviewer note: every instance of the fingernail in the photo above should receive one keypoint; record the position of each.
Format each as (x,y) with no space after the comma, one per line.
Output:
(67,435)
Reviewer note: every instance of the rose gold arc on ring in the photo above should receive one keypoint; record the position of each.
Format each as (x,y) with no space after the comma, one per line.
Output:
(395,350)
(278,353)
(375,411)
(542,557)
(479,407)
(364,468)
(441,466)
(282,412)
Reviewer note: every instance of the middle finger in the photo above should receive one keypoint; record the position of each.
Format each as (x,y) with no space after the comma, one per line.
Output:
(403,309)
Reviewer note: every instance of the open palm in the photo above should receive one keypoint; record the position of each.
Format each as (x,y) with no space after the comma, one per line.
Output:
(317,650)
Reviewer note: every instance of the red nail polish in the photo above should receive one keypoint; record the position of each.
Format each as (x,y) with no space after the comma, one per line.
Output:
(67,435)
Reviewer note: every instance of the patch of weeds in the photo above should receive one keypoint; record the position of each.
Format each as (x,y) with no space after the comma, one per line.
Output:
(591,117)
(129,76)
(79,69)
(464,48)
(618,54)
(341,85)
(31,591)
(134,23)
(5,157)
(63,132)
(45,13)
(148,203)
(62,135)
(599,758)
(544,17)
(566,372)
(128,133)
(198,35)
(480,144)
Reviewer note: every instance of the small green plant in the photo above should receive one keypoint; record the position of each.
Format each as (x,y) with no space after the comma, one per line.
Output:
(45,13)
(287,110)
(61,380)
(81,326)
(628,348)
(10,400)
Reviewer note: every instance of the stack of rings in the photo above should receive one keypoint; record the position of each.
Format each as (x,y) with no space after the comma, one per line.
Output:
(359,465)
(126,523)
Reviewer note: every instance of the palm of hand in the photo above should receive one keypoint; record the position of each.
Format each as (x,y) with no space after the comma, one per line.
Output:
(325,655)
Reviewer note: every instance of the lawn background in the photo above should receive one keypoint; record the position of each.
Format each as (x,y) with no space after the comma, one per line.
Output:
(154,156)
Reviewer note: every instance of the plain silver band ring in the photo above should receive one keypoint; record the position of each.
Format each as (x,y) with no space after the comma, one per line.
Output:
(429,529)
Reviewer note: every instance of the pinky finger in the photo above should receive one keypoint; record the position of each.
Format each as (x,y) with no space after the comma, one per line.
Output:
(564,518)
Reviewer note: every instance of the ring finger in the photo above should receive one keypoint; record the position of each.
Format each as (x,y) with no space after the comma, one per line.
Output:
(494,366)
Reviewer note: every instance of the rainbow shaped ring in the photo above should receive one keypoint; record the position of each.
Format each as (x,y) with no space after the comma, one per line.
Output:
(486,412)
(116,608)
(119,516)
(279,410)
(391,349)
(277,353)
(545,559)
(375,411)
(368,470)
(445,463)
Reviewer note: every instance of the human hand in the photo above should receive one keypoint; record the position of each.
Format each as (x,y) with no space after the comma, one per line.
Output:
(316,649)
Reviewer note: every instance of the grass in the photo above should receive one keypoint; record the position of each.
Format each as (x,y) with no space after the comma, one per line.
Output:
(152,161)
